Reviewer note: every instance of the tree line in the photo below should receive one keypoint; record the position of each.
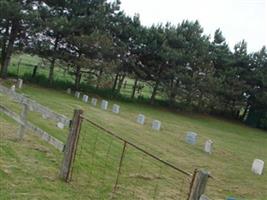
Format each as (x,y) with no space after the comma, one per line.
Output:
(97,42)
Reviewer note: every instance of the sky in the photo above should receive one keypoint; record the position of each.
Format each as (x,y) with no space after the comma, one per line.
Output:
(238,19)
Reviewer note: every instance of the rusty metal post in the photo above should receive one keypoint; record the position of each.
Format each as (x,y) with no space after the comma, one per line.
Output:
(120,165)
(71,146)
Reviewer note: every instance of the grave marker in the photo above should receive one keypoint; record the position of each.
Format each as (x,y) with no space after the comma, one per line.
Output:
(191,137)
(19,83)
(156,125)
(208,146)
(60,125)
(77,94)
(257,166)
(141,119)
(116,109)
(94,101)
(85,98)
(13,88)
(104,105)
(68,91)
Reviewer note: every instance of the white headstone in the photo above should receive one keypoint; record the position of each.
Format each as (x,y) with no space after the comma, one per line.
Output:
(191,138)
(44,116)
(13,88)
(208,146)
(60,125)
(104,105)
(20,83)
(257,166)
(69,91)
(156,124)
(116,109)
(85,98)
(141,119)
(94,101)
(77,94)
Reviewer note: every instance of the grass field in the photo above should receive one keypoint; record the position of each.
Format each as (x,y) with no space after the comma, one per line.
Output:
(29,169)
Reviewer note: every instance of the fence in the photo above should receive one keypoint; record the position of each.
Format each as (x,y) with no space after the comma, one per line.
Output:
(109,166)
(30,105)
(114,168)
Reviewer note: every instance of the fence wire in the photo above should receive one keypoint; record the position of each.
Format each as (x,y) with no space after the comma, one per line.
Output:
(113,168)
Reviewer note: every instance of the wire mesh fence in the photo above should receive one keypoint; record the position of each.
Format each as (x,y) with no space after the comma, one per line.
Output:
(113,168)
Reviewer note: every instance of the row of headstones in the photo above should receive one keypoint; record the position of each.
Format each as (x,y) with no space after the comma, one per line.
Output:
(156,124)
(19,85)
(191,138)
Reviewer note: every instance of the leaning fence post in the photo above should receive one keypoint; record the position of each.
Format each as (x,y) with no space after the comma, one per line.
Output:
(23,119)
(71,146)
(198,184)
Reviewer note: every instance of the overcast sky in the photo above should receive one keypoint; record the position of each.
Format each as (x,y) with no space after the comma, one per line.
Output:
(238,19)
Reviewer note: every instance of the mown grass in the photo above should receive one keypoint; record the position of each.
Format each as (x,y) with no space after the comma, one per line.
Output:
(235,147)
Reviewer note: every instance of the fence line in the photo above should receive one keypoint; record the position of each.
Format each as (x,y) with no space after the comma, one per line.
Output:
(34,106)
(41,133)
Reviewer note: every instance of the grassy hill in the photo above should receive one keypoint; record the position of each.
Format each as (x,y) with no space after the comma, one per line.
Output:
(28,170)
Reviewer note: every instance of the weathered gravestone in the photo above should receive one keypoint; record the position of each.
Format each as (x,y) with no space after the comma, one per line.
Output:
(116,109)
(68,91)
(156,124)
(94,101)
(19,83)
(141,119)
(257,166)
(104,105)
(203,197)
(208,146)
(77,94)
(85,98)
(60,125)
(191,137)
(13,88)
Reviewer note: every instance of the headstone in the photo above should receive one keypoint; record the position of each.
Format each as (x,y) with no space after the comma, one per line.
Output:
(203,197)
(77,94)
(44,116)
(156,125)
(60,125)
(208,146)
(257,166)
(94,101)
(69,91)
(85,98)
(13,88)
(116,109)
(20,83)
(104,105)
(191,138)
(141,119)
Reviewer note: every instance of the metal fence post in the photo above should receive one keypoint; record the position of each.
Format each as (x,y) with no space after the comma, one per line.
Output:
(23,118)
(198,184)
(71,146)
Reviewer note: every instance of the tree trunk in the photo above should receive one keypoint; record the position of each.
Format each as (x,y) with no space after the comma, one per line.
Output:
(99,79)
(34,71)
(52,65)
(245,113)
(120,83)
(4,45)
(115,82)
(77,78)
(9,49)
(154,92)
(134,88)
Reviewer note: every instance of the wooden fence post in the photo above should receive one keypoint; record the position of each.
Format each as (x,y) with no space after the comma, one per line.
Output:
(23,118)
(198,184)
(71,146)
